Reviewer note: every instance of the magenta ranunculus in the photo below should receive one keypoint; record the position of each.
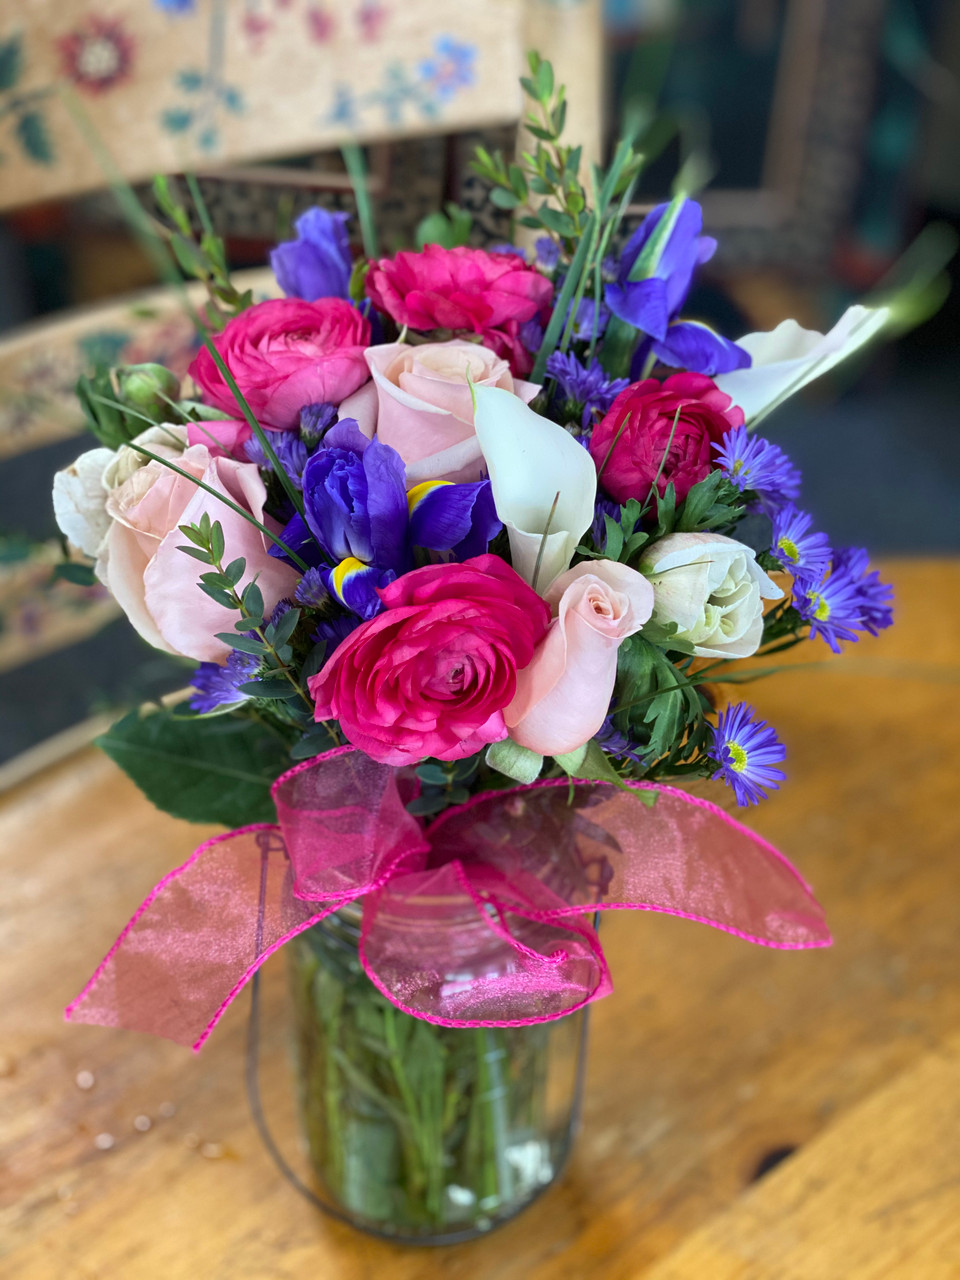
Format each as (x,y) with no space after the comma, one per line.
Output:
(432,673)
(636,433)
(284,354)
(463,290)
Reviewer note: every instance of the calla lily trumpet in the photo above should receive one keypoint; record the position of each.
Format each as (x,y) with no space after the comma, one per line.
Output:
(789,357)
(544,483)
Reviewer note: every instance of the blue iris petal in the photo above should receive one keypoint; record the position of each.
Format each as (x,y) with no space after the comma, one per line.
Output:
(460,518)
(689,344)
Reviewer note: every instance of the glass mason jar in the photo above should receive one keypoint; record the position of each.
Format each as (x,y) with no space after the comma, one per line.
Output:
(420,1132)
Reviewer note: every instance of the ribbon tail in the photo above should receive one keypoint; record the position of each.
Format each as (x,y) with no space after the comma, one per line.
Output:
(198,937)
(464,945)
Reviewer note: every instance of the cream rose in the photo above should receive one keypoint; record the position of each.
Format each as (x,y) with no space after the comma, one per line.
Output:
(419,403)
(564,694)
(712,588)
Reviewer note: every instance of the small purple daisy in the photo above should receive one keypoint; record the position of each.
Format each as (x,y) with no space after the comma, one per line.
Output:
(805,554)
(747,751)
(849,600)
(617,744)
(218,686)
(753,463)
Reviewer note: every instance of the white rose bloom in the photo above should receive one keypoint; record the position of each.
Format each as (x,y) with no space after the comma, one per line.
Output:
(80,491)
(79,500)
(713,589)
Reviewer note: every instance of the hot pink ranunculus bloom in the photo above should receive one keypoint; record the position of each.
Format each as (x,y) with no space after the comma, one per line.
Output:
(463,290)
(639,430)
(284,354)
(432,673)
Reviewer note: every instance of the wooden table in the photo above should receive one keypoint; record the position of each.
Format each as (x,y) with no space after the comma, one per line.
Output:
(712,1060)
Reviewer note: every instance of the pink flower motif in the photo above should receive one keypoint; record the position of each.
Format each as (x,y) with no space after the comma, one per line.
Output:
(464,291)
(320,24)
(98,55)
(662,432)
(431,674)
(284,354)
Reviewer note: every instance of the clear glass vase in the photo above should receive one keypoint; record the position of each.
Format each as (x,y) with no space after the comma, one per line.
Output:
(419,1132)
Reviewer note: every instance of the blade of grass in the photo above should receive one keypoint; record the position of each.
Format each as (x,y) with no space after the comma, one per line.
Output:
(357,172)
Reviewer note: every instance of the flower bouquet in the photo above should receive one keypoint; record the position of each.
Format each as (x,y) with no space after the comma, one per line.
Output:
(465,542)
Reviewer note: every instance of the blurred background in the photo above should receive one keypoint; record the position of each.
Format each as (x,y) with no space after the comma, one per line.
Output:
(833,131)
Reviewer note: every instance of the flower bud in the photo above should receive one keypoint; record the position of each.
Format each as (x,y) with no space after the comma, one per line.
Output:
(148,388)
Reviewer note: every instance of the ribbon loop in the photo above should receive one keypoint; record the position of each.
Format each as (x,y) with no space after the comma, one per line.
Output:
(481,920)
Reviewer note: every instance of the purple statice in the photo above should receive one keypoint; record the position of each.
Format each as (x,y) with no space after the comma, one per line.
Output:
(587,386)
(292,454)
(311,591)
(617,744)
(333,631)
(849,600)
(315,421)
(747,751)
(805,554)
(750,462)
(531,335)
(504,246)
(603,507)
(218,686)
(548,252)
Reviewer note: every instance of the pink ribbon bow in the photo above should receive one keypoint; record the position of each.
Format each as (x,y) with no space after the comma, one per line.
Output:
(483,918)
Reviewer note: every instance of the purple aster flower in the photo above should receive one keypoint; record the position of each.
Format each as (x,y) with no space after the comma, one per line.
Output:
(586,386)
(318,263)
(747,751)
(504,246)
(617,744)
(291,453)
(753,463)
(805,554)
(548,252)
(218,686)
(315,421)
(849,600)
(311,590)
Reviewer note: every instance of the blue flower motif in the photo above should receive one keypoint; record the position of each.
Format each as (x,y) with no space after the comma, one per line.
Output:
(318,263)
(805,554)
(218,686)
(747,751)
(176,6)
(451,68)
(847,601)
(750,462)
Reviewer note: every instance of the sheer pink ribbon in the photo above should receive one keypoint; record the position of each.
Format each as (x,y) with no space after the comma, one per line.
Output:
(481,919)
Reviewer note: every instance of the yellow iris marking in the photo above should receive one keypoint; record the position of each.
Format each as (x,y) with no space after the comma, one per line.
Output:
(345,567)
(419,491)
(738,757)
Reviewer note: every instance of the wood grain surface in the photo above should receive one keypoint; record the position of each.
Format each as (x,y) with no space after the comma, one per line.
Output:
(711,1061)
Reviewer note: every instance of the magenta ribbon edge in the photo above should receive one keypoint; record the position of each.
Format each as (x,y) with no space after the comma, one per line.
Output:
(386,875)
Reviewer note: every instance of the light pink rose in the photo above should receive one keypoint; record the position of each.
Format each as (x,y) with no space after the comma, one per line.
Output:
(154,583)
(563,696)
(419,403)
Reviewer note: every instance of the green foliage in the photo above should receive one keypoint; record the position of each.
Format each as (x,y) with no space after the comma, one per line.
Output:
(11,61)
(443,783)
(81,575)
(513,761)
(449,228)
(105,416)
(200,769)
(658,707)
(34,136)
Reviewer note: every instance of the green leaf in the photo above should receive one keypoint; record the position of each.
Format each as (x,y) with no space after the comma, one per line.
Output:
(11,61)
(270,687)
(244,643)
(217,547)
(201,770)
(516,762)
(195,535)
(428,804)
(216,594)
(235,570)
(557,221)
(432,774)
(281,633)
(34,137)
(82,575)
(591,763)
(253,601)
(503,198)
(545,82)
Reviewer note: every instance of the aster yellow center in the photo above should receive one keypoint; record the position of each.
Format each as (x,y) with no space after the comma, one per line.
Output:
(789,549)
(822,611)
(738,757)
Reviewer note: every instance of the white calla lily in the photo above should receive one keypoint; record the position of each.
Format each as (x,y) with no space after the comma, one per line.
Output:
(531,460)
(788,357)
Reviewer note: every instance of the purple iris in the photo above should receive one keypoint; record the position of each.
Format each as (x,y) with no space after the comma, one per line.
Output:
(318,263)
(218,686)
(849,600)
(585,385)
(747,751)
(653,304)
